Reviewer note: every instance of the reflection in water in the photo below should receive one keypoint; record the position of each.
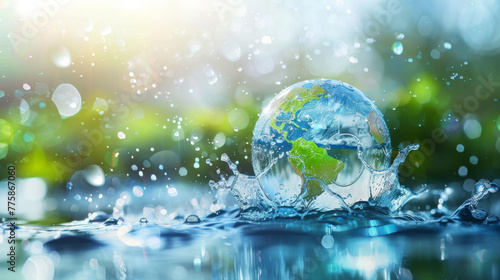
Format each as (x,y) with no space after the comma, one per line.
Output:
(337,245)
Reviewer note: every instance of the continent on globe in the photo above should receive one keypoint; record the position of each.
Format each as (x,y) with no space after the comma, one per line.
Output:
(311,161)
(293,102)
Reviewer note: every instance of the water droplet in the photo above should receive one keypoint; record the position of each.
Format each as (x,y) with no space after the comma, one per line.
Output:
(231,50)
(143,221)
(94,175)
(121,135)
(327,241)
(472,129)
(462,171)
(183,171)
(447,45)
(172,191)
(138,191)
(435,53)
(460,148)
(67,99)
(61,57)
(473,160)
(113,221)
(192,219)
(397,47)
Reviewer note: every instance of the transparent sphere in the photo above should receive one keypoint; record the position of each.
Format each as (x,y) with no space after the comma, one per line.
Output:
(317,139)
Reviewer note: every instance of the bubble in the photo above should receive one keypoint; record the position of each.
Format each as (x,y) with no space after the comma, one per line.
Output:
(238,118)
(143,222)
(447,45)
(460,148)
(94,175)
(61,57)
(472,129)
(138,191)
(462,171)
(327,241)
(210,73)
(435,53)
(219,140)
(263,63)
(38,267)
(473,160)
(397,47)
(67,100)
(183,171)
(121,135)
(172,191)
(231,50)
(153,177)
(100,105)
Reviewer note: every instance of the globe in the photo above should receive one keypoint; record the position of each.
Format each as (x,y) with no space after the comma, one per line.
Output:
(317,139)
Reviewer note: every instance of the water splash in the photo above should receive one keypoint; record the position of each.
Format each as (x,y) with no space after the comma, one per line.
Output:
(469,212)
(319,145)
(386,192)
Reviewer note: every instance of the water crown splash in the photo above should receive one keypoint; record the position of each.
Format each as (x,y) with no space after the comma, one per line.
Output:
(319,145)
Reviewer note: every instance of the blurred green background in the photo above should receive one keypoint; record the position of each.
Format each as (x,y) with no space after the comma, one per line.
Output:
(158,90)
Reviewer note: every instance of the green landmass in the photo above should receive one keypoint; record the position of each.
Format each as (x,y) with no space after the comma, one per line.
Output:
(293,103)
(309,160)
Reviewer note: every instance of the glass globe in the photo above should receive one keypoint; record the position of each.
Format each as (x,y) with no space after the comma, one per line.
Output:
(317,139)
